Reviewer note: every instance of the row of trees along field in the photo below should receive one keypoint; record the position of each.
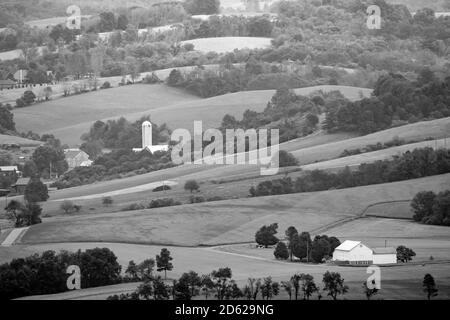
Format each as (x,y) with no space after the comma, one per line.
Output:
(410,165)
(99,267)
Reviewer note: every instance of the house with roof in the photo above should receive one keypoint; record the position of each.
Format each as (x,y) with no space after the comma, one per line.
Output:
(77,158)
(9,171)
(20,185)
(357,253)
(7,84)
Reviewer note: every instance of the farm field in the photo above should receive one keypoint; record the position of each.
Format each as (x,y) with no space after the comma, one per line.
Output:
(76,114)
(70,117)
(373,156)
(7,139)
(11,55)
(228,221)
(228,44)
(401,282)
(436,129)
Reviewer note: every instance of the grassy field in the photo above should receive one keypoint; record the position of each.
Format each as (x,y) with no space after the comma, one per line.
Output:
(436,129)
(401,282)
(228,44)
(70,117)
(7,139)
(227,221)
(370,157)
(74,115)
(11,55)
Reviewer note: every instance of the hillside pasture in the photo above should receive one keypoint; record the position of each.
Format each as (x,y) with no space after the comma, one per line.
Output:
(227,221)
(436,129)
(229,44)
(7,139)
(70,117)
(370,157)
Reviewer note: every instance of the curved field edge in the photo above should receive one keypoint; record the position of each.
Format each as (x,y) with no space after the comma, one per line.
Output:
(229,221)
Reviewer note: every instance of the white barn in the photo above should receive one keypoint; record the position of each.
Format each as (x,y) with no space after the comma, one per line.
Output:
(357,253)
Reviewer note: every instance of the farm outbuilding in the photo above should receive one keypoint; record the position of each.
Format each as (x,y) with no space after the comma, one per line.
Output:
(357,253)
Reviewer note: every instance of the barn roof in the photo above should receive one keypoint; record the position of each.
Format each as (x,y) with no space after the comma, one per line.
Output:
(348,245)
(8,168)
(383,250)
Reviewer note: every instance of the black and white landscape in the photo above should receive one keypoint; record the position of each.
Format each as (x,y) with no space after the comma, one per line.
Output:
(118,182)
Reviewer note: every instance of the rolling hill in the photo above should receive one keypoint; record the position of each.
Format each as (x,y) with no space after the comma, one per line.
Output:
(70,117)
(7,139)
(227,221)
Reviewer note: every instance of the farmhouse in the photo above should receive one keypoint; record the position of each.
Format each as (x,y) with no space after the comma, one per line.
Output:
(77,158)
(357,253)
(9,171)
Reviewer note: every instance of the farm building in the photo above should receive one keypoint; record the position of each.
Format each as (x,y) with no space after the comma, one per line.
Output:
(9,171)
(77,158)
(357,253)
(20,185)
(6,84)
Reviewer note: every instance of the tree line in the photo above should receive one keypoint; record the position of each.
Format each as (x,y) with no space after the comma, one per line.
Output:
(395,101)
(432,208)
(410,165)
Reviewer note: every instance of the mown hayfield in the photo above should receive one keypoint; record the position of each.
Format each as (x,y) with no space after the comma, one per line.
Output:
(7,139)
(373,156)
(227,221)
(74,115)
(436,129)
(70,117)
(401,282)
(11,55)
(228,44)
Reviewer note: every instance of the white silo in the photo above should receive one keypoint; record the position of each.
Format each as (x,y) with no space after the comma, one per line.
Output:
(146,134)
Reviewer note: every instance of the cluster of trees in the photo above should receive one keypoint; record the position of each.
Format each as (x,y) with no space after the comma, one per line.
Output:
(432,208)
(23,215)
(120,134)
(396,100)
(46,273)
(6,119)
(253,75)
(293,115)
(410,165)
(299,245)
(115,165)
(231,26)
(220,284)
(47,159)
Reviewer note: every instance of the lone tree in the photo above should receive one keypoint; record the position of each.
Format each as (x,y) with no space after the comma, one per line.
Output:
(266,235)
(107,201)
(429,286)
(145,270)
(191,185)
(163,261)
(281,251)
(308,286)
(291,234)
(36,191)
(334,284)
(67,206)
(405,254)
